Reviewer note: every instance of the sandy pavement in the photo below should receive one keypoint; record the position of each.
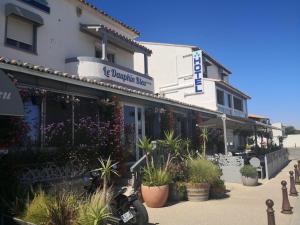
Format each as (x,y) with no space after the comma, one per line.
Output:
(244,206)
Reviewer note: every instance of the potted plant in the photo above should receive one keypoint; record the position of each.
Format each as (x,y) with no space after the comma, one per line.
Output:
(201,173)
(217,189)
(155,187)
(155,181)
(249,175)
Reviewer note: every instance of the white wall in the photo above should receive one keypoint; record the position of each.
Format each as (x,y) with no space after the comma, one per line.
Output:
(163,63)
(187,94)
(277,133)
(60,38)
(292,141)
(171,67)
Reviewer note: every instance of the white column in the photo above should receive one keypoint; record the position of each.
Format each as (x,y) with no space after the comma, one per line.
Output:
(145,63)
(223,117)
(104,45)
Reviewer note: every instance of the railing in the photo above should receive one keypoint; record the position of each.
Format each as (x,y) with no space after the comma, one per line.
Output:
(230,166)
(135,169)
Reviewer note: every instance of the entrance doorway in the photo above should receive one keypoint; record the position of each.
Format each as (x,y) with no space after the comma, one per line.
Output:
(134,129)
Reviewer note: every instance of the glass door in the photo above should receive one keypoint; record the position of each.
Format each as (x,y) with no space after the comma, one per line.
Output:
(134,128)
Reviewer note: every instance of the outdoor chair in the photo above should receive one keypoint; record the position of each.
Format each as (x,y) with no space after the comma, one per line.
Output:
(255,162)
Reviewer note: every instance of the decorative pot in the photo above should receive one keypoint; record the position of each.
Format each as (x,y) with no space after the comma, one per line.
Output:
(217,192)
(173,193)
(198,192)
(155,197)
(249,181)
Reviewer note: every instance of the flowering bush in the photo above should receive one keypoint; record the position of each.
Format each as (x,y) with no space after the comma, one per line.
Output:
(58,134)
(104,135)
(13,131)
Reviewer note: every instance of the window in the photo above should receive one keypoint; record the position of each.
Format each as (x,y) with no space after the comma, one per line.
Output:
(220,97)
(238,103)
(110,56)
(40,4)
(20,33)
(229,100)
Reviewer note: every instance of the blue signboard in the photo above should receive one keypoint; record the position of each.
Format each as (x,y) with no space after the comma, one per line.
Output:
(198,71)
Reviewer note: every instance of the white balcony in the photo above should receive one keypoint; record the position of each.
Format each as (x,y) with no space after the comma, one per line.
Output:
(231,111)
(102,70)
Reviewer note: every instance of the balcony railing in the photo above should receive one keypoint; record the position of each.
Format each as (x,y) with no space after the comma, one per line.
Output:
(102,70)
(231,111)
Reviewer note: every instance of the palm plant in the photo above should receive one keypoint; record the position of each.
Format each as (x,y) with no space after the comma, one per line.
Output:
(204,138)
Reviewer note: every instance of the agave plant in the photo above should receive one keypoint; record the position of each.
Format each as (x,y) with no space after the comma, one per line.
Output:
(146,145)
(174,144)
(107,168)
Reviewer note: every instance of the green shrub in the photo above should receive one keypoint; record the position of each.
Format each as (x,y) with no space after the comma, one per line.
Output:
(95,211)
(218,184)
(36,211)
(202,171)
(155,177)
(47,210)
(248,171)
(217,189)
(62,210)
(181,190)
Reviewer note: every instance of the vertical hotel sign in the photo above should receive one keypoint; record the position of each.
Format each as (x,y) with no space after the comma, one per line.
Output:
(198,71)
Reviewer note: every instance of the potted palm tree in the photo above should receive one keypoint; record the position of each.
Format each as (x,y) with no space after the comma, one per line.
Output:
(249,175)
(155,181)
(201,174)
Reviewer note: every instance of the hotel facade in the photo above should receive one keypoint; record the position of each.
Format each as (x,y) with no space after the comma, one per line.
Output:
(63,63)
(174,75)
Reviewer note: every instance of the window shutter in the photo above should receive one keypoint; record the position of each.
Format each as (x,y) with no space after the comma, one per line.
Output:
(19,30)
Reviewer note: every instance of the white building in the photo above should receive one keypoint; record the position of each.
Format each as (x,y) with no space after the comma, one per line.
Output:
(278,134)
(82,57)
(172,69)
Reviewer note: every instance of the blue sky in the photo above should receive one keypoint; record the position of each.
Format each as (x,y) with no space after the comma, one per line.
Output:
(259,41)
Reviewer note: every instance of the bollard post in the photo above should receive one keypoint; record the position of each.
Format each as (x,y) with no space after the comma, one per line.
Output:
(286,207)
(293,190)
(299,167)
(297,180)
(270,212)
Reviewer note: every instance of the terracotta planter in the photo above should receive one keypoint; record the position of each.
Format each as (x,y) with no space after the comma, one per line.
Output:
(155,197)
(197,192)
(249,181)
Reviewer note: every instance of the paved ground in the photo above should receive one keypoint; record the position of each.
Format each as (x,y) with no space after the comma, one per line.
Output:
(244,206)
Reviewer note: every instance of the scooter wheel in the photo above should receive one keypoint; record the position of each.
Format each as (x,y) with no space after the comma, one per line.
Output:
(142,217)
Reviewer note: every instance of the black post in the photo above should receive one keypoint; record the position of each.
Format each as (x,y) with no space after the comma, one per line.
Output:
(270,212)
(286,207)
(293,190)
